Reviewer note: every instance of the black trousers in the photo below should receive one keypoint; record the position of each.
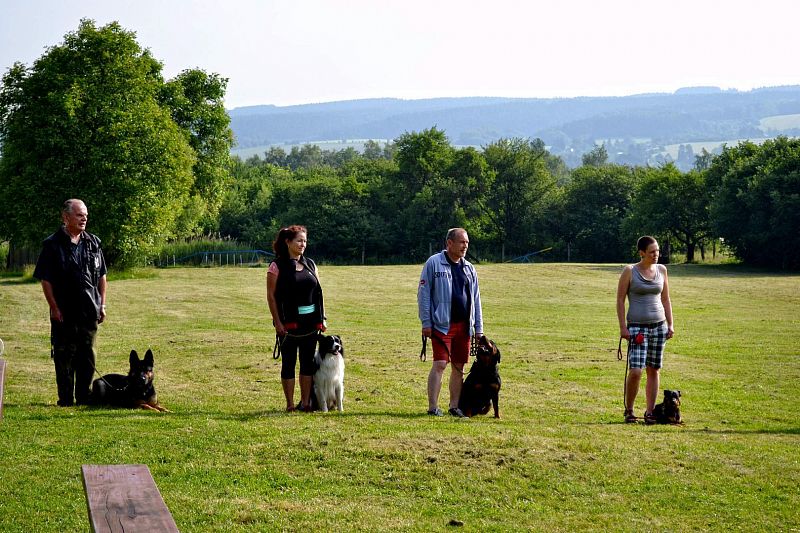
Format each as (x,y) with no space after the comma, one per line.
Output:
(306,345)
(74,358)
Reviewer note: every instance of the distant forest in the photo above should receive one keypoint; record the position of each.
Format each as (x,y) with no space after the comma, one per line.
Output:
(646,129)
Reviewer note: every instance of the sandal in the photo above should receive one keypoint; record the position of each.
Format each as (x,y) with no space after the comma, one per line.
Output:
(649,419)
(630,418)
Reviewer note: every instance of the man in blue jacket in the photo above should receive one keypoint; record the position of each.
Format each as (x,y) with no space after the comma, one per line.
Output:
(450,311)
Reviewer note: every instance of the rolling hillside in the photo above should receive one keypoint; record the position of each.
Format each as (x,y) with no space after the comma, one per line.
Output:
(638,128)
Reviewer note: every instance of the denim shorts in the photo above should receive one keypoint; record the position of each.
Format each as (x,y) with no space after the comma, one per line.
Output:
(651,351)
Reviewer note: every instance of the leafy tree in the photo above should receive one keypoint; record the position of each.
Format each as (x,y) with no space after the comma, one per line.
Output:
(246,210)
(422,158)
(669,202)
(339,158)
(595,203)
(428,195)
(702,161)
(85,121)
(515,191)
(195,99)
(276,156)
(372,150)
(306,156)
(756,203)
(596,157)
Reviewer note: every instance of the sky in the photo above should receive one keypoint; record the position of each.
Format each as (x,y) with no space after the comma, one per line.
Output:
(288,52)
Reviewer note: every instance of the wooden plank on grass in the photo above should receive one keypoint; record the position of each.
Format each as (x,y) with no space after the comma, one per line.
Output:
(2,381)
(124,498)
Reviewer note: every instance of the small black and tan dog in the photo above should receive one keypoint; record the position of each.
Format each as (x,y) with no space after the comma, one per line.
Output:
(135,390)
(669,411)
(482,387)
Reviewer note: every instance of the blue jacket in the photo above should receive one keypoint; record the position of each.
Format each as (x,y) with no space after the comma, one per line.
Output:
(435,294)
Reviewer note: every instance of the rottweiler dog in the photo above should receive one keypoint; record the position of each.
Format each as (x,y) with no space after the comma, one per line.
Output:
(669,411)
(134,391)
(482,387)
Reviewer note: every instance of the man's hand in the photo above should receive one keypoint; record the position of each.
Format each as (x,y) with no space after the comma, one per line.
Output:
(55,314)
(427,332)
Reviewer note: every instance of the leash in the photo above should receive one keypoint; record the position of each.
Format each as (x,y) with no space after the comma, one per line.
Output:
(627,362)
(276,351)
(104,380)
(473,350)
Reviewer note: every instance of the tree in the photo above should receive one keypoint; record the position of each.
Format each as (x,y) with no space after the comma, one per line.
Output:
(669,202)
(195,99)
(515,191)
(427,193)
(595,202)
(596,157)
(756,201)
(372,150)
(702,161)
(276,156)
(85,121)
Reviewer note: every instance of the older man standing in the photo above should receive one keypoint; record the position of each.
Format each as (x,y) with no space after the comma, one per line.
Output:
(450,311)
(72,270)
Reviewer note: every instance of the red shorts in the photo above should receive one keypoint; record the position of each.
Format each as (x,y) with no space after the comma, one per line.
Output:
(454,346)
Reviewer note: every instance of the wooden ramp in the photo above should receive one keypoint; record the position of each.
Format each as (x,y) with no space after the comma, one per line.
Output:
(2,381)
(124,498)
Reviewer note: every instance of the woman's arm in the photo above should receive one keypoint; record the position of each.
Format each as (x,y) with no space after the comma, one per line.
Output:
(272,283)
(667,303)
(622,293)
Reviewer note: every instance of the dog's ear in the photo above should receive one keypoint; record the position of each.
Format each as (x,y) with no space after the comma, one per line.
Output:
(495,350)
(134,358)
(148,358)
(678,393)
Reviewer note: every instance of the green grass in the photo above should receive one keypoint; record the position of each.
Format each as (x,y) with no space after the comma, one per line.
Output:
(229,459)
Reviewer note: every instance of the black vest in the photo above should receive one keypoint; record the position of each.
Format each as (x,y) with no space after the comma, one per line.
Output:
(284,289)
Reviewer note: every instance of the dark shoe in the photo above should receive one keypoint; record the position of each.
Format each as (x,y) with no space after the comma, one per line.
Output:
(456,412)
(629,416)
(649,419)
(435,412)
(64,403)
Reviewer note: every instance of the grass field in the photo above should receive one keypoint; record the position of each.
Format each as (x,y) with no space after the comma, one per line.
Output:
(229,459)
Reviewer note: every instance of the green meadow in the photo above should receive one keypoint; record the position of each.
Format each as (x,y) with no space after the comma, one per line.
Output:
(228,458)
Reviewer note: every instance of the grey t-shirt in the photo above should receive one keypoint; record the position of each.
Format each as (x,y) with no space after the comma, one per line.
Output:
(644,298)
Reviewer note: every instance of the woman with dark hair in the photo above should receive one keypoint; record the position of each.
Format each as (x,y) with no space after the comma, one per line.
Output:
(647,324)
(294,296)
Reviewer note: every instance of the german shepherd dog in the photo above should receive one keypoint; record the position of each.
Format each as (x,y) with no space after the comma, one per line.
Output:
(482,387)
(669,411)
(133,391)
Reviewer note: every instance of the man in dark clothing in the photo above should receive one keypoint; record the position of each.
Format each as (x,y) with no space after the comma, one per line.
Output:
(72,270)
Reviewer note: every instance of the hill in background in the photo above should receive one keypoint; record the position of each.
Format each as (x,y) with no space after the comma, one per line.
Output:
(639,129)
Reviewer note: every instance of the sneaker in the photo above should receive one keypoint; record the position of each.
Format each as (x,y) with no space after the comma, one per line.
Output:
(435,412)
(456,412)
